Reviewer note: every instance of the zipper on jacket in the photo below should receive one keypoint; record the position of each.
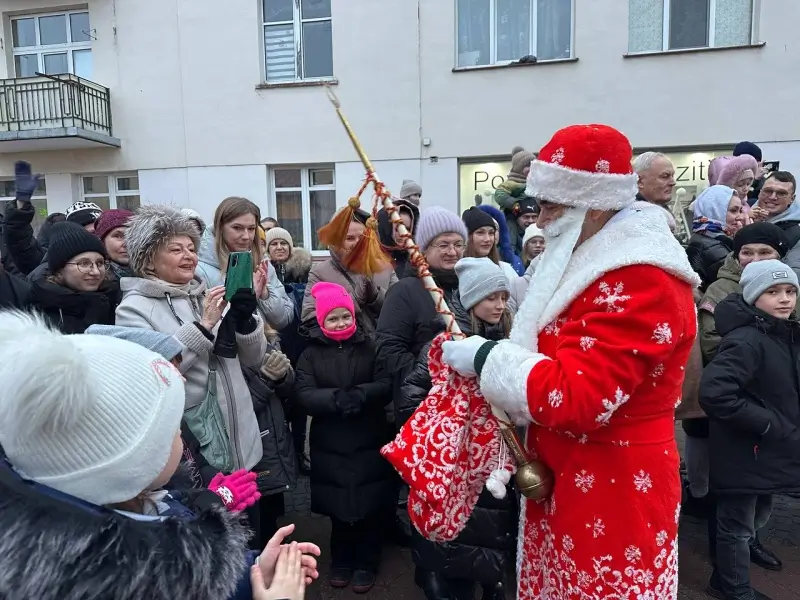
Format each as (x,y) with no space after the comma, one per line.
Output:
(755,451)
(232,415)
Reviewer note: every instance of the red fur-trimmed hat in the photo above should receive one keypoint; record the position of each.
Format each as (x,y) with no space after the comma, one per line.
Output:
(586,166)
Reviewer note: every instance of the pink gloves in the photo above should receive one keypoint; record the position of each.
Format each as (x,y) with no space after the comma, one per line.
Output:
(238,490)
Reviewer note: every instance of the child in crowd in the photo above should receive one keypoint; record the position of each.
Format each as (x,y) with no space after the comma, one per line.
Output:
(750,393)
(484,551)
(532,245)
(90,442)
(336,384)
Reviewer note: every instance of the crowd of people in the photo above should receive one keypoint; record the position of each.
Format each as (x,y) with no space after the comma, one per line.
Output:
(149,454)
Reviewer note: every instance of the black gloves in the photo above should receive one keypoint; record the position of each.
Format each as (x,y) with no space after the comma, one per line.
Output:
(350,402)
(24,181)
(242,306)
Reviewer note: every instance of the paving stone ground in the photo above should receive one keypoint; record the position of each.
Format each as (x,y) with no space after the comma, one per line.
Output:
(396,579)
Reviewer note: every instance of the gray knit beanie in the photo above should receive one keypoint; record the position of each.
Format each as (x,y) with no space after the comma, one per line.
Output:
(435,221)
(758,277)
(409,188)
(155,341)
(479,278)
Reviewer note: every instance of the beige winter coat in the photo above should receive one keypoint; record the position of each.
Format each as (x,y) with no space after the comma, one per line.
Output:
(145,305)
(359,287)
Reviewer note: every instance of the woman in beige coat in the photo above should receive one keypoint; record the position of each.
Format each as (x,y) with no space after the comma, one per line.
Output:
(165,296)
(368,294)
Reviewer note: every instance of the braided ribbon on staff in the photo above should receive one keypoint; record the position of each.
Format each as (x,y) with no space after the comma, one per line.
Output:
(533,478)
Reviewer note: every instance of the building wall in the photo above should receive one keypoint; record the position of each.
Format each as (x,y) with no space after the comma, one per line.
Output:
(184,78)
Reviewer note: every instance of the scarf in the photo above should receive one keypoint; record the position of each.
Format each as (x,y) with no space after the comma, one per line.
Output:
(701,224)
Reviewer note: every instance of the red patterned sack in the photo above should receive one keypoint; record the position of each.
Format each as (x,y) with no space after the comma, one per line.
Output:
(446,451)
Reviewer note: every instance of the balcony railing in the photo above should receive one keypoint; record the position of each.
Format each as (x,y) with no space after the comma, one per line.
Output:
(54,102)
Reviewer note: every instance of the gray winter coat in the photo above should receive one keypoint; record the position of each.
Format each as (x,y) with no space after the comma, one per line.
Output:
(277,309)
(144,304)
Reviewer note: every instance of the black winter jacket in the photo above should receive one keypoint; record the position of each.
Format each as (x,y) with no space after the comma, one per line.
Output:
(277,469)
(751,394)
(707,254)
(407,323)
(14,291)
(73,312)
(484,551)
(339,387)
(25,250)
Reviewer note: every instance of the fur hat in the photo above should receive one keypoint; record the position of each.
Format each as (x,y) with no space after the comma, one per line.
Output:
(151,229)
(737,168)
(98,422)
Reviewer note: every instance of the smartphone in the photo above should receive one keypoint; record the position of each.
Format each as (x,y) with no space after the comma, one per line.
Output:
(239,274)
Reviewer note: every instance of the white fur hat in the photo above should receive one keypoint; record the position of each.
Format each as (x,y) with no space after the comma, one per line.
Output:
(91,416)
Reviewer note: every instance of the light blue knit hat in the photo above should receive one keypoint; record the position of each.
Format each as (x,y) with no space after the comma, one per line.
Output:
(155,341)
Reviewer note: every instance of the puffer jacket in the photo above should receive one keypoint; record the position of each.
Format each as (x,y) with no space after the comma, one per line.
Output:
(277,309)
(368,296)
(350,480)
(277,469)
(751,394)
(71,311)
(484,551)
(707,254)
(154,304)
(504,246)
(407,323)
(21,245)
(52,540)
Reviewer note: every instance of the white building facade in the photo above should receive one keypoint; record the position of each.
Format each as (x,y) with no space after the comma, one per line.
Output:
(187,102)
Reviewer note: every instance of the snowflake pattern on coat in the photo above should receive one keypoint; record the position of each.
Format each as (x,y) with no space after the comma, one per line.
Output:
(609,530)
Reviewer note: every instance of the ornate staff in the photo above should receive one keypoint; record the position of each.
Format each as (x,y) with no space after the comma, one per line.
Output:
(534,480)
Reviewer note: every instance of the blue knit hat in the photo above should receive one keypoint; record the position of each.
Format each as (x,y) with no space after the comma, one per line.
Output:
(155,341)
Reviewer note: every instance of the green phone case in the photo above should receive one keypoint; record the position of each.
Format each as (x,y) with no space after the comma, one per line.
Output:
(239,274)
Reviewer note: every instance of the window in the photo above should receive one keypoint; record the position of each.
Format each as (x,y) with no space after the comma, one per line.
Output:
(112,191)
(298,42)
(661,25)
(492,32)
(39,200)
(305,200)
(52,44)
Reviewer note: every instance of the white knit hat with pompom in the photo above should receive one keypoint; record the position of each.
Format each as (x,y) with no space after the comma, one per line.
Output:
(90,416)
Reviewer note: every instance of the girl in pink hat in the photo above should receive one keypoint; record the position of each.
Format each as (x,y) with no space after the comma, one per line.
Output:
(338,385)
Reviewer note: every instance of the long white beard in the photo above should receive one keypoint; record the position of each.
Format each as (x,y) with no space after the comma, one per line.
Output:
(561,236)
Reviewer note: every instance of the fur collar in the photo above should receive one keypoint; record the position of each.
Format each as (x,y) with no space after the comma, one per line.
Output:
(638,235)
(59,548)
(299,265)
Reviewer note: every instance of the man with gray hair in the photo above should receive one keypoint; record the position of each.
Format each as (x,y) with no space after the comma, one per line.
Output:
(656,178)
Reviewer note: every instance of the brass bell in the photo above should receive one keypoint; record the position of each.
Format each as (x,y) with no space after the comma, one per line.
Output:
(534,480)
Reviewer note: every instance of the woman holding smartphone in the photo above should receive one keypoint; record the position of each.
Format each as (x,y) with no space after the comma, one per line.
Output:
(235,230)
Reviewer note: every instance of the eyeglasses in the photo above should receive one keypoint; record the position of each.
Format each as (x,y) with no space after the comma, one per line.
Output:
(458,247)
(780,194)
(85,265)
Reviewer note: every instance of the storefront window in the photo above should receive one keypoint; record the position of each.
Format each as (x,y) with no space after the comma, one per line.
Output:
(479,180)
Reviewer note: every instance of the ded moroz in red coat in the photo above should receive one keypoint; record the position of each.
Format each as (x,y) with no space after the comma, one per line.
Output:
(598,378)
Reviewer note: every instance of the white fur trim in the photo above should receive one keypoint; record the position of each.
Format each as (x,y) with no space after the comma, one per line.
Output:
(562,185)
(504,379)
(638,235)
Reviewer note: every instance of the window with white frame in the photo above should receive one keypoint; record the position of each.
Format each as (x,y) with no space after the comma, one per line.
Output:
(496,32)
(8,193)
(298,42)
(662,25)
(52,43)
(304,199)
(111,191)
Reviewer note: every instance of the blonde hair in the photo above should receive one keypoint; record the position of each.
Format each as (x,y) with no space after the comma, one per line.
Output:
(229,209)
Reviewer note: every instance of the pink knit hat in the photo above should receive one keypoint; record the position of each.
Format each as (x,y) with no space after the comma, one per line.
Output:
(328,297)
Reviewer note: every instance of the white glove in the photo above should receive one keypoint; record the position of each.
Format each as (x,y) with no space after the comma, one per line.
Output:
(276,365)
(460,355)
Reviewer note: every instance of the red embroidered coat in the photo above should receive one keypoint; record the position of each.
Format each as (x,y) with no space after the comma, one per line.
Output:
(600,395)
